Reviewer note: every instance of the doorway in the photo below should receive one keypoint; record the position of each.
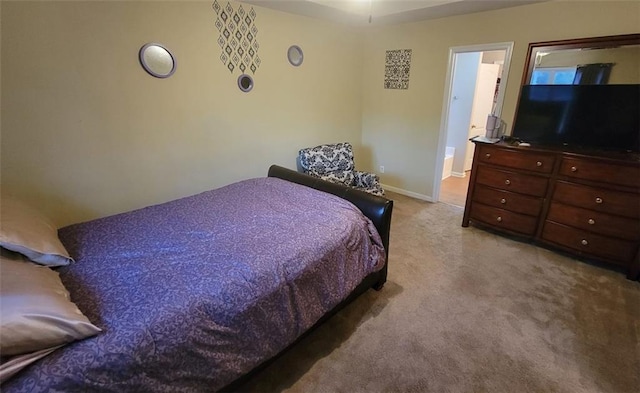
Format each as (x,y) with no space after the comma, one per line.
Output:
(476,79)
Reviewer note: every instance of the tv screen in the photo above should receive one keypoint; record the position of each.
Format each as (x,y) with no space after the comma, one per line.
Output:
(604,117)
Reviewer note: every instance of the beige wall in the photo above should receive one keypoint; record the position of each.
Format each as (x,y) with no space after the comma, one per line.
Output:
(87,133)
(403,126)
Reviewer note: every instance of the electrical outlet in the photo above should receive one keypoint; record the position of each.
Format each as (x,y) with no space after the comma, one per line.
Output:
(381,168)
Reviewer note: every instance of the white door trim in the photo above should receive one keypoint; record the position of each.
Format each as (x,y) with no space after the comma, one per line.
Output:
(444,121)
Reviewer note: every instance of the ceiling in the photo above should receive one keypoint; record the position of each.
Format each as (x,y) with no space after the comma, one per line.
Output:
(358,12)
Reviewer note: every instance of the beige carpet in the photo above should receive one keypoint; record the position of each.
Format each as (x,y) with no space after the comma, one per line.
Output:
(465,310)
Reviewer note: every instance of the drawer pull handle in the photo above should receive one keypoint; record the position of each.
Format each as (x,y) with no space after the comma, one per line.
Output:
(503,201)
(499,219)
(584,242)
(591,221)
(488,155)
(574,169)
(507,182)
(598,200)
(539,163)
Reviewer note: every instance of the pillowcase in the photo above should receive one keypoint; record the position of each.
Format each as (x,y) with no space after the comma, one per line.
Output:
(24,230)
(35,310)
(18,362)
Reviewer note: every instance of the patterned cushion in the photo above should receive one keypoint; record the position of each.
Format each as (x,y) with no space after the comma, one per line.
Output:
(325,159)
(369,182)
(341,177)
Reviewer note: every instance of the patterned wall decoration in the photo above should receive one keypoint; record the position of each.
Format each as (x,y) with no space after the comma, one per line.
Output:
(238,37)
(396,69)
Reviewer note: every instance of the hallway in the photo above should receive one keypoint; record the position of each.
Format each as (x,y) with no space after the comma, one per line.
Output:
(454,190)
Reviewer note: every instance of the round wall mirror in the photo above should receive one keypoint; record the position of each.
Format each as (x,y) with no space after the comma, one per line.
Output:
(295,55)
(157,60)
(245,83)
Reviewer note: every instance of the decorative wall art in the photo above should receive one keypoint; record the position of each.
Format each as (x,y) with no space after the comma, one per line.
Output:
(245,83)
(396,69)
(157,60)
(237,38)
(295,55)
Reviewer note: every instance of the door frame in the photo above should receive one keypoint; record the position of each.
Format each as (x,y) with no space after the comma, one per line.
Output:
(444,121)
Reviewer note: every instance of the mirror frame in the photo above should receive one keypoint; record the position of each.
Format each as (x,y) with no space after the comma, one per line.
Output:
(148,68)
(580,43)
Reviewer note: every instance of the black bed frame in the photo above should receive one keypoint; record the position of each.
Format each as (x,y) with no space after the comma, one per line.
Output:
(377,209)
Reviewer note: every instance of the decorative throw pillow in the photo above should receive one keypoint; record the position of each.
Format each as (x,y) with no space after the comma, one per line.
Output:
(35,310)
(24,230)
(340,177)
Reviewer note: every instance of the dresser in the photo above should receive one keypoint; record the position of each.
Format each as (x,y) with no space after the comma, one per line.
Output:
(586,204)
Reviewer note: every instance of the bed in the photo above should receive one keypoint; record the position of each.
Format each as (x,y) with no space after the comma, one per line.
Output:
(197,294)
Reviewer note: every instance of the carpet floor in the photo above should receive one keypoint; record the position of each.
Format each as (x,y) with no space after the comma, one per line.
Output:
(465,310)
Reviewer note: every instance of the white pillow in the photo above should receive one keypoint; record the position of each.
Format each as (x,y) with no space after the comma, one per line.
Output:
(24,230)
(35,310)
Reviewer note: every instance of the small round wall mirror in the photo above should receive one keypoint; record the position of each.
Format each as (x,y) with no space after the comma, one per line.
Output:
(295,55)
(157,60)
(245,83)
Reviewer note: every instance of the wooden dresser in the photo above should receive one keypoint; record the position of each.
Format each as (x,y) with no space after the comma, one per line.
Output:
(584,204)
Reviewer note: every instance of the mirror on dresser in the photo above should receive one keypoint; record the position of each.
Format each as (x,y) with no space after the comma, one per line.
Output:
(558,61)
(574,186)
(581,94)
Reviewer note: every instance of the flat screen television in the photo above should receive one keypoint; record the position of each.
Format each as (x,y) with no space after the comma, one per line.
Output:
(602,117)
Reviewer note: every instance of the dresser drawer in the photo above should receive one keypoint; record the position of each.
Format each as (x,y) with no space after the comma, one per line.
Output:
(508,200)
(512,181)
(599,199)
(516,159)
(503,219)
(589,243)
(592,221)
(601,171)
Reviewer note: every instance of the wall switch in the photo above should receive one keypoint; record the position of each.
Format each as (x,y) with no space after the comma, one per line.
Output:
(381,168)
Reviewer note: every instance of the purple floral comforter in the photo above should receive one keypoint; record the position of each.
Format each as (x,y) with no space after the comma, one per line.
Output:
(193,293)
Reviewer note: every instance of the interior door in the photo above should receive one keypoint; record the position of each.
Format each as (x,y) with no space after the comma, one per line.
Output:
(482,105)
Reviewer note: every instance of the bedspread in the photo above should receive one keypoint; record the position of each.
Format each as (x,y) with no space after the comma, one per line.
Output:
(193,293)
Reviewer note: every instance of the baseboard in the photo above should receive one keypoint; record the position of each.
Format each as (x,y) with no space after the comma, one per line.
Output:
(407,193)
(459,174)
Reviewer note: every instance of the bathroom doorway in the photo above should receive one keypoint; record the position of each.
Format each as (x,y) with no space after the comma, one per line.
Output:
(475,81)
